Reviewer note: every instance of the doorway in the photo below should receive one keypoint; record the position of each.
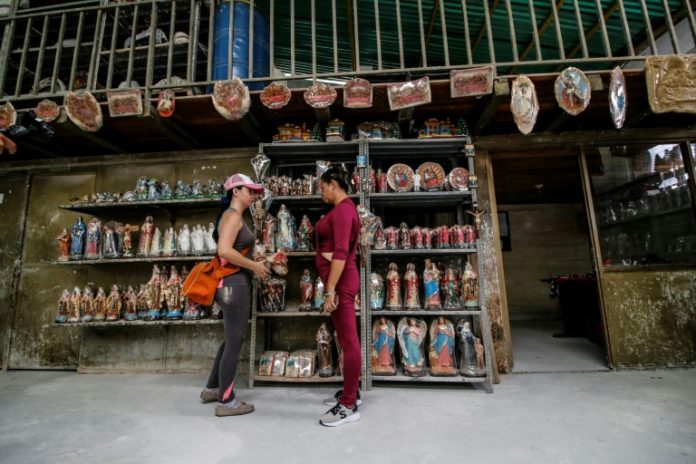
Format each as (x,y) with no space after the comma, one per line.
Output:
(550,281)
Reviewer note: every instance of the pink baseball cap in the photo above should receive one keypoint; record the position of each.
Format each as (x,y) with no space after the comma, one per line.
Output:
(242,180)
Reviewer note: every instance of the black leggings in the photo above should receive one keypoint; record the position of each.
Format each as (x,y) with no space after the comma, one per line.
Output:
(235,302)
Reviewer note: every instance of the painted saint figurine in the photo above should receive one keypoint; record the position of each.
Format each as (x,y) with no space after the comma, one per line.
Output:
(417,238)
(471,349)
(141,302)
(93,239)
(411,333)
(376,292)
(210,243)
(183,241)
(470,286)
(431,284)
(157,243)
(380,239)
(285,237)
(443,237)
(63,305)
(268,234)
(411,281)
(383,341)
(318,296)
(169,242)
(392,235)
(306,291)
(198,240)
(305,235)
(141,188)
(130,305)
(393,288)
(127,230)
(113,304)
(172,295)
(100,305)
(450,290)
(427,238)
(324,352)
(154,296)
(441,350)
(63,246)
(404,237)
(87,305)
(109,242)
(146,231)
(74,305)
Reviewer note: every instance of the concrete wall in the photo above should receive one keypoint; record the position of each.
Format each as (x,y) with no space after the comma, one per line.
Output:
(546,240)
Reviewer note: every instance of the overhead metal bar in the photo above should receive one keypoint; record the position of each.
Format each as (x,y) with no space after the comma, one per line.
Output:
(581,29)
(627,29)
(443,26)
(400,33)
(39,60)
(670,25)
(467,40)
(378,34)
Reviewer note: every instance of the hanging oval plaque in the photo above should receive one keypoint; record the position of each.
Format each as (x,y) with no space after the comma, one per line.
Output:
(320,95)
(617,97)
(572,90)
(524,104)
(48,110)
(231,99)
(166,103)
(275,96)
(357,93)
(83,110)
(8,116)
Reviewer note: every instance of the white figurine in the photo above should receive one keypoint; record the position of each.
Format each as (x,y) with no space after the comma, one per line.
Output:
(198,240)
(156,245)
(169,247)
(184,241)
(210,244)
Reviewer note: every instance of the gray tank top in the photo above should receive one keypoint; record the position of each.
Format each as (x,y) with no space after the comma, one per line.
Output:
(245,239)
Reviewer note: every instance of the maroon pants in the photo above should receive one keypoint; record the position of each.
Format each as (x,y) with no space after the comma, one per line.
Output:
(344,321)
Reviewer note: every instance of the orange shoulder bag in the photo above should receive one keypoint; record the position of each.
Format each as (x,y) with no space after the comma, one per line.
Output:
(202,282)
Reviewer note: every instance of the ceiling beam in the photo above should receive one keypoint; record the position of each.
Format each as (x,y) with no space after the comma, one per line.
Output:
(173,130)
(38,148)
(501,92)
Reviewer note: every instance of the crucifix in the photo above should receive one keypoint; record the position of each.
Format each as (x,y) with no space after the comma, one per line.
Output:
(477,217)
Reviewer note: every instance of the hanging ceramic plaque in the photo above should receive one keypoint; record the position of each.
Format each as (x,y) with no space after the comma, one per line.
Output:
(408,94)
(471,82)
(48,110)
(125,103)
(572,90)
(671,82)
(357,93)
(275,96)
(8,116)
(320,95)
(166,103)
(617,97)
(231,99)
(524,104)
(84,110)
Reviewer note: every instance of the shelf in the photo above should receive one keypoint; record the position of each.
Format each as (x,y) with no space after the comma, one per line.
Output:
(644,217)
(294,313)
(418,148)
(307,199)
(301,254)
(433,252)
(167,205)
(311,151)
(282,379)
(428,379)
(424,312)
(138,323)
(154,259)
(419,198)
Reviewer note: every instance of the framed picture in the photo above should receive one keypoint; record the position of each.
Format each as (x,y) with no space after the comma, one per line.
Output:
(471,82)
(504,227)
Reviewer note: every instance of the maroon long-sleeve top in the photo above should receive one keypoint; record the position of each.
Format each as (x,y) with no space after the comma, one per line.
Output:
(338,231)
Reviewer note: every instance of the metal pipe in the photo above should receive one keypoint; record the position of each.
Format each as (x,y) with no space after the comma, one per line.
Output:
(40,58)
(648,27)
(23,60)
(400,33)
(292,37)
(467,40)
(5,46)
(112,51)
(513,35)
(489,32)
(59,52)
(356,36)
(602,23)
(559,36)
(131,51)
(76,52)
(170,47)
(692,22)
(445,43)
(378,35)
(314,37)
(335,35)
(94,57)
(424,56)
(193,41)
(230,38)
(535,31)
(211,32)
(151,55)
(670,24)
(626,28)
(581,29)
(250,72)
(271,42)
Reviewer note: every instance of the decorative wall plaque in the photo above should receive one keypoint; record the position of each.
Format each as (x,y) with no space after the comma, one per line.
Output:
(357,93)
(125,103)
(166,102)
(524,104)
(320,95)
(231,99)
(471,82)
(408,94)
(572,90)
(275,96)
(8,116)
(671,82)
(84,110)
(48,110)
(617,97)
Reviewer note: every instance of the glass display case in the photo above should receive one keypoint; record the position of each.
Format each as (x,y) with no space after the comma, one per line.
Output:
(644,206)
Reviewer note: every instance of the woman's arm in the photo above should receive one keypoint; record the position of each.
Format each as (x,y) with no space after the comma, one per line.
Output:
(341,226)
(230,225)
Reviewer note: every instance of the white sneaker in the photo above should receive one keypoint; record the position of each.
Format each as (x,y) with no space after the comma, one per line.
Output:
(337,398)
(339,415)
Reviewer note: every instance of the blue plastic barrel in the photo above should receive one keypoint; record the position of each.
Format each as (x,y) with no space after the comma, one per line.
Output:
(240,44)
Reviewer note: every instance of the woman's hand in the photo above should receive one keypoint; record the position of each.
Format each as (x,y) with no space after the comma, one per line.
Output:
(260,270)
(330,302)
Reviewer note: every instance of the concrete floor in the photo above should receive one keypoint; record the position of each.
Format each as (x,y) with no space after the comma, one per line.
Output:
(608,417)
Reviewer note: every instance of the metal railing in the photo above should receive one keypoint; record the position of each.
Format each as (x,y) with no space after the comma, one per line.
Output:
(155,44)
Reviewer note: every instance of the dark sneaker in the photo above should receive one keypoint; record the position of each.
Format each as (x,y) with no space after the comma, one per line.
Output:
(208,395)
(237,410)
(339,415)
(337,397)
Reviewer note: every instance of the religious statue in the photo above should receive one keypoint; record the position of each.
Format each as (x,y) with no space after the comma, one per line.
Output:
(63,307)
(381,180)
(443,237)
(165,191)
(197,190)
(393,288)
(457,236)
(127,230)
(63,245)
(141,302)
(450,290)
(153,295)
(198,240)
(258,213)
(383,341)
(470,286)
(411,333)
(477,218)
(210,243)
(417,238)
(183,241)
(318,296)
(268,234)
(74,305)
(152,193)
(441,352)
(305,235)
(471,349)
(93,239)
(427,238)
(182,190)
(169,242)
(272,295)
(380,238)
(285,237)
(100,305)
(156,244)
(306,291)
(405,237)
(113,304)
(376,291)
(411,298)
(141,188)
(431,283)
(87,305)
(324,352)
(109,242)
(469,236)
(146,231)
(216,310)
(172,295)
(392,235)
(130,305)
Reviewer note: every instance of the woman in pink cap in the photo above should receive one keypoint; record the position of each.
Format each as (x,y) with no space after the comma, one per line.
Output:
(234,241)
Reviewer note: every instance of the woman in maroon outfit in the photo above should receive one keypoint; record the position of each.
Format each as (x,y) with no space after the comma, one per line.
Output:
(336,261)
